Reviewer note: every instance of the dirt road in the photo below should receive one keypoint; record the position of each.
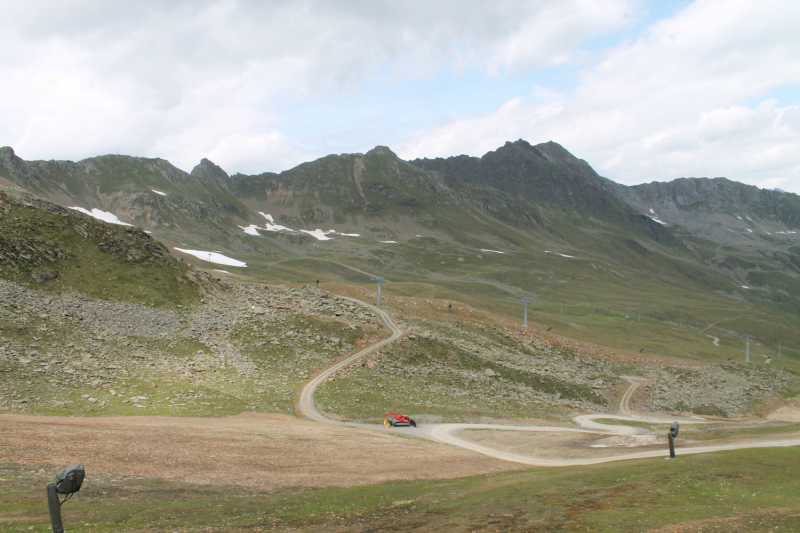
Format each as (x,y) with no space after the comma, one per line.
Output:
(264,451)
(445,433)
(269,451)
(305,403)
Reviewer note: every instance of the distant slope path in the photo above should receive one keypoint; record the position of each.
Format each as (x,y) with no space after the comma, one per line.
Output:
(305,404)
(444,433)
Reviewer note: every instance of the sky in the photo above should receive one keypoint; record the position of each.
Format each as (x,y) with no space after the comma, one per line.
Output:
(642,90)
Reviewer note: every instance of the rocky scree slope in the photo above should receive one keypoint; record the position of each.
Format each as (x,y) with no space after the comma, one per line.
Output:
(460,371)
(241,347)
(95,316)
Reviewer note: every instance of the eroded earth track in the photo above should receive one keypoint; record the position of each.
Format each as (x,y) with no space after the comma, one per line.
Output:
(453,434)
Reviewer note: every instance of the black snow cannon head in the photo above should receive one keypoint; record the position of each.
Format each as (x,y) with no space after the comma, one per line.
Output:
(70,479)
(673,430)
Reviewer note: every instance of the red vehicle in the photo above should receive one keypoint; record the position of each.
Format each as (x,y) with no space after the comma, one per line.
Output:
(393,420)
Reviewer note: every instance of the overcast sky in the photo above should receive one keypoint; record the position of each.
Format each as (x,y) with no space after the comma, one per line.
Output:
(642,90)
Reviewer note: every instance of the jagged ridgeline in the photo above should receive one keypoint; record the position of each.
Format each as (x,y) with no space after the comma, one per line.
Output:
(53,249)
(520,219)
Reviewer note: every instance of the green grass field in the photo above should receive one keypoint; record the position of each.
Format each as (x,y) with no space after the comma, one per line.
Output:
(598,316)
(748,491)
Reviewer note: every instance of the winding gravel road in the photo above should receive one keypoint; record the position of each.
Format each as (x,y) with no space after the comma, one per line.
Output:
(305,403)
(445,433)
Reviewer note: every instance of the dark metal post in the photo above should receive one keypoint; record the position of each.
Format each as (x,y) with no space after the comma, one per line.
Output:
(55,508)
(318,284)
(673,433)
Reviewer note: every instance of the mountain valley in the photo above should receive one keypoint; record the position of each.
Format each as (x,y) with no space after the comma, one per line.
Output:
(207,302)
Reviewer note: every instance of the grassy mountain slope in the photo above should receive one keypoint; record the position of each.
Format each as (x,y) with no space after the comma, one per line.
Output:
(47,247)
(566,234)
(58,251)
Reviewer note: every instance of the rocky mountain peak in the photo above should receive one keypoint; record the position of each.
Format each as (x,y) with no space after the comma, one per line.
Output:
(209,171)
(382,150)
(6,153)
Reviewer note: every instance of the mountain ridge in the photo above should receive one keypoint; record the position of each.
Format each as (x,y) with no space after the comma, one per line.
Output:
(519,199)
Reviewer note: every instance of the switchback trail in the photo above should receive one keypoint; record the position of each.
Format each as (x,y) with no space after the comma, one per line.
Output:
(445,433)
(305,403)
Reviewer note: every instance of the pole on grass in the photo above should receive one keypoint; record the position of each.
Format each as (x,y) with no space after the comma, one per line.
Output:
(672,435)
(380,280)
(54,506)
(525,302)
(747,352)
(68,482)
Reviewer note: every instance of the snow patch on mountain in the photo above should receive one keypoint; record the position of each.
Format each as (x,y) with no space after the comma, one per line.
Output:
(214,257)
(252,229)
(105,216)
(318,234)
(271,226)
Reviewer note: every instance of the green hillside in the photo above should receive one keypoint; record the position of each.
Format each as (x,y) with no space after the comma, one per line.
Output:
(47,247)
(694,257)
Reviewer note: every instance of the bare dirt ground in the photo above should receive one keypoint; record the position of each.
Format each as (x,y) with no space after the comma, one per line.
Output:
(267,451)
(547,445)
(785,411)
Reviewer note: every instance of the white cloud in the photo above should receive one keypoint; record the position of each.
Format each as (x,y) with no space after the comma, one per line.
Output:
(690,96)
(184,80)
(675,102)
(480,134)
